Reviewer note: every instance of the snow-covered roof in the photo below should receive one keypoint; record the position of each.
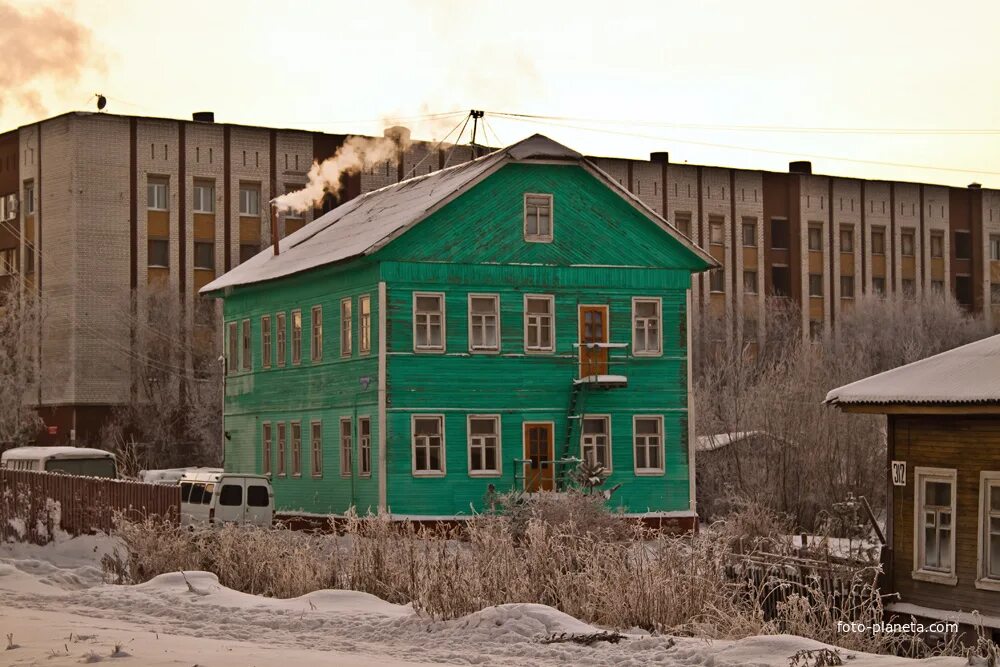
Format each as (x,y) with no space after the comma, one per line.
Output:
(365,224)
(966,374)
(708,443)
(32,453)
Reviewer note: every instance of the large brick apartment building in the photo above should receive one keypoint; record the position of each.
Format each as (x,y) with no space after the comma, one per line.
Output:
(97,210)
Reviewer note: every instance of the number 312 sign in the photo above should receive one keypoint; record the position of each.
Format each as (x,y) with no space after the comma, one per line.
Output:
(899,473)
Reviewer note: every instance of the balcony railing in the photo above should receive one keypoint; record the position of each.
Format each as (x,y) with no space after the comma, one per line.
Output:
(558,470)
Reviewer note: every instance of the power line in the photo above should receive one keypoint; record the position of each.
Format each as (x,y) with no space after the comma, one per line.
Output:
(432,151)
(458,140)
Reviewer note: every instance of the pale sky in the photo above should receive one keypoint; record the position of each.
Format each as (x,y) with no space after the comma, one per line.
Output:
(657,68)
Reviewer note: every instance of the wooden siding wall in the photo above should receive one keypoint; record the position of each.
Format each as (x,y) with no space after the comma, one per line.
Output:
(969,445)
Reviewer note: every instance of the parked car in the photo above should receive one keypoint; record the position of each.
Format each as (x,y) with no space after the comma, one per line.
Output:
(212,498)
(82,461)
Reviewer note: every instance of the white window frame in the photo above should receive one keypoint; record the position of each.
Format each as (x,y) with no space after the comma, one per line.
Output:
(245,207)
(413,446)
(280,339)
(346,327)
(994,246)
(202,203)
(365,324)
(316,333)
(636,300)
(647,471)
(296,447)
(266,444)
(987,478)
(364,447)
(903,233)
(583,437)
(540,238)
(296,341)
(921,475)
(158,185)
(552,323)
(472,325)
(444,329)
(498,470)
(266,341)
(316,448)
(346,447)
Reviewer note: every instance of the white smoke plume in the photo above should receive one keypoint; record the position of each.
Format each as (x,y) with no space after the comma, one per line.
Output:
(354,155)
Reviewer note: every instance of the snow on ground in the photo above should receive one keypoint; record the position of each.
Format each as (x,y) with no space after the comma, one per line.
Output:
(53,602)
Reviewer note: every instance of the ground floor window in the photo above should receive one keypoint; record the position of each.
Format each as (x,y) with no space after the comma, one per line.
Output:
(281,449)
(365,446)
(484,444)
(296,449)
(266,450)
(596,440)
(346,447)
(934,522)
(316,446)
(428,445)
(989,538)
(648,441)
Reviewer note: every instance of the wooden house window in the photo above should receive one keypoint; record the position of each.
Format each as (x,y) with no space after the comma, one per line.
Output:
(316,447)
(364,446)
(296,337)
(346,447)
(265,341)
(648,441)
(989,531)
(595,442)
(281,449)
(247,361)
(316,342)
(539,325)
(346,327)
(484,445)
(428,445)
(646,327)
(364,324)
(538,218)
(233,363)
(934,525)
(428,322)
(280,338)
(265,455)
(296,449)
(484,323)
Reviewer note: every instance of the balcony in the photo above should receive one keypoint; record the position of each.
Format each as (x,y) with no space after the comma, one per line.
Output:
(594,366)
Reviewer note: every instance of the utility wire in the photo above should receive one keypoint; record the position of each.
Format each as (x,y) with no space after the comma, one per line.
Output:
(434,150)
(458,140)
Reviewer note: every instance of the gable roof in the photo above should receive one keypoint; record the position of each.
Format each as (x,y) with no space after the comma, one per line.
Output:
(964,375)
(367,223)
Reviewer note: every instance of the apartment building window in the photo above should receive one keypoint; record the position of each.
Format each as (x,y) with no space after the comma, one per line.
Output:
(316,447)
(749,232)
(682,221)
(233,362)
(648,443)
(428,322)
(995,294)
(346,328)
(538,322)
(779,233)
(878,240)
(204,197)
(204,255)
(428,445)
(265,454)
(934,519)
(646,327)
(937,286)
(596,441)
(878,285)
(249,200)
(750,282)
(484,444)
(909,286)
(815,284)
(937,244)
(296,449)
(815,236)
(538,218)
(989,539)
(364,324)
(781,281)
(265,341)
(716,235)
(316,321)
(29,198)
(963,245)
(846,287)
(906,241)
(296,337)
(346,447)
(484,323)
(280,334)
(158,253)
(364,446)
(156,195)
(8,261)
(846,239)
(815,330)
(717,280)
(994,247)
(282,455)
(246,359)
(963,290)
(292,213)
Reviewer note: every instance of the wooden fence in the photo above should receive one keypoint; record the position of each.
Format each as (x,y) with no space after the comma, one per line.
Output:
(33,505)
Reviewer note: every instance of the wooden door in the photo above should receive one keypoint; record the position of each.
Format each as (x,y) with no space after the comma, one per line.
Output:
(539,471)
(593,329)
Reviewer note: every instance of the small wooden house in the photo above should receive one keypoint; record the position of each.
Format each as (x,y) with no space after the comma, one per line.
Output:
(478,328)
(943,477)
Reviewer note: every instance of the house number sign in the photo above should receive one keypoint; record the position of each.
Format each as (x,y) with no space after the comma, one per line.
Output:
(899,473)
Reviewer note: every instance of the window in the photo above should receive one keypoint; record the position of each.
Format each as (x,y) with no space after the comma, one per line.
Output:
(296,449)
(596,441)
(158,253)
(346,326)
(750,232)
(265,341)
(249,199)
(937,286)
(316,342)
(989,538)
(815,284)
(364,324)
(995,293)
(539,334)
(29,198)
(231,495)
(934,514)
(258,496)
(682,221)
(909,286)
(779,233)
(716,235)
(484,323)
(265,454)
(878,285)
(648,442)
(428,322)
(717,280)
(204,255)
(246,365)
(346,447)
(428,445)
(8,261)
(296,337)
(484,444)
(846,287)
(646,327)
(937,244)
(815,330)
(538,218)
(248,250)
(233,363)
(364,446)
(906,241)
(750,282)
(816,236)
(878,240)
(280,338)
(963,289)
(963,245)
(316,447)
(204,197)
(846,239)
(292,213)
(995,247)
(281,449)
(781,282)
(156,195)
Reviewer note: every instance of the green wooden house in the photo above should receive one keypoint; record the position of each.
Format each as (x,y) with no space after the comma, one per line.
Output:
(481,327)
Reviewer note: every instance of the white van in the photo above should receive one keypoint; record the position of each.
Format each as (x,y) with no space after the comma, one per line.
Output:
(82,461)
(225,497)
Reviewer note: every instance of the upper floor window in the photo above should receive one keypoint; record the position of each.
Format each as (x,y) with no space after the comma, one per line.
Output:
(484,322)
(316,347)
(428,322)
(158,253)
(779,233)
(815,236)
(846,287)
(266,449)
(249,199)
(364,324)
(963,245)
(280,333)
(934,520)
(682,221)
(204,255)
(750,281)
(716,233)
(717,280)
(204,197)
(750,232)
(878,285)
(538,218)
(878,240)
(282,455)
(937,244)
(246,346)
(596,441)
(539,335)
(906,241)
(646,327)
(346,326)
(29,198)
(156,195)
(846,239)
(292,213)
(346,447)
(316,447)
(233,362)
(994,247)
(296,337)
(265,341)
(428,445)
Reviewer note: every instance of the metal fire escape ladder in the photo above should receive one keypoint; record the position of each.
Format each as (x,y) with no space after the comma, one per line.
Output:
(573,416)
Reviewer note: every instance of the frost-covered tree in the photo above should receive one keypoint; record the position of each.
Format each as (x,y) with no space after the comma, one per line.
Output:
(20,317)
